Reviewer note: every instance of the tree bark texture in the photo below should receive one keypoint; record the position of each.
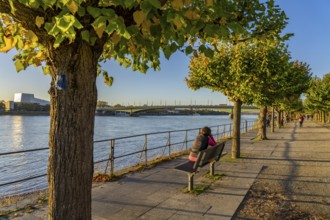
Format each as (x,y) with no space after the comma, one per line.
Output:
(324,120)
(262,123)
(235,150)
(273,119)
(279,115)
(70,169)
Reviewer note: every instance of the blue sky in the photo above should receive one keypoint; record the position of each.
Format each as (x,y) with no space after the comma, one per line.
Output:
(308,20)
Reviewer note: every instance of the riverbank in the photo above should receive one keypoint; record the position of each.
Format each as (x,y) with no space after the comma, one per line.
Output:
(25,113)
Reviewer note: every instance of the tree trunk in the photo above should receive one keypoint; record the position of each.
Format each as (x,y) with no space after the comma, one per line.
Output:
(72,111)
(273,117)
(278,119)
(236,148)
(262,123)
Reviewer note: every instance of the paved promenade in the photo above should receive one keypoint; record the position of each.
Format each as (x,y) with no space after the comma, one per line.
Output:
(302,154)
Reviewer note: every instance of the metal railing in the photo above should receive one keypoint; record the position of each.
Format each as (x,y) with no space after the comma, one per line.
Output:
(122,152)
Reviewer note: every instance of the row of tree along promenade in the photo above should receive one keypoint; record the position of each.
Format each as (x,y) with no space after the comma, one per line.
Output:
(238,48)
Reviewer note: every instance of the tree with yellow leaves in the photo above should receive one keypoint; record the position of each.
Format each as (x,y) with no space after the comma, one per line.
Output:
(68,38)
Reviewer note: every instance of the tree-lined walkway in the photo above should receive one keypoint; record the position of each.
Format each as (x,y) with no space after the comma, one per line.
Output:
(295,180)
(285,177)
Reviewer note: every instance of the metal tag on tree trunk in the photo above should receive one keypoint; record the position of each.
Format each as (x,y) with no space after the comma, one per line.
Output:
(61,82)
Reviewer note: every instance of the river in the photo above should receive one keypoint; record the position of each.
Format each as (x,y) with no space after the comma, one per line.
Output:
(30,132)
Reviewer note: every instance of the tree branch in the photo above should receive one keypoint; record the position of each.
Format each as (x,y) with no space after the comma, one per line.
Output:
(24,15)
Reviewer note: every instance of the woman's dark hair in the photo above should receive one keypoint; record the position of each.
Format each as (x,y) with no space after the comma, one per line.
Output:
(206,131)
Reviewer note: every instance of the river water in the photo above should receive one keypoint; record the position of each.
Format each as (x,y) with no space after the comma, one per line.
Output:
(29,132)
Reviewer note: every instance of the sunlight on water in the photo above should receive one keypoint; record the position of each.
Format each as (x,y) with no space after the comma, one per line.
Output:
(30,132)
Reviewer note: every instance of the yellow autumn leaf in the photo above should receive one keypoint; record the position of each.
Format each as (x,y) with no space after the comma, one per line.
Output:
(40,55)
(189,14)
(209,2)
(146,26)
(115,38)
(19,65)
(223,21)
(192,15)
(156,20)
(177,23)
(9,44)
(40,21)
(139,17)
(73,7)
(177,4)
(31,36)
(187,2)
(99,31)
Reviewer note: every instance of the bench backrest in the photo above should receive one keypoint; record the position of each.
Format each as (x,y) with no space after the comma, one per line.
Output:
(210,154)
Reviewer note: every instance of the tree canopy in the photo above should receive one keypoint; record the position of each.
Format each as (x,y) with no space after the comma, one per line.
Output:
(318,95)
(135,28)
(69,38)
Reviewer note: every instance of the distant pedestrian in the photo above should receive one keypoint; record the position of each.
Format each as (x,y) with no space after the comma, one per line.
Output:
(268,122)
(201,143)
(301,120)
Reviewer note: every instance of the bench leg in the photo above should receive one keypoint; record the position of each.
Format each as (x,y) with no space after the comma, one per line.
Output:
(190,181)
(212,168)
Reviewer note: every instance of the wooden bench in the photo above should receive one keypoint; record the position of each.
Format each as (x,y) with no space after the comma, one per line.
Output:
(208,156)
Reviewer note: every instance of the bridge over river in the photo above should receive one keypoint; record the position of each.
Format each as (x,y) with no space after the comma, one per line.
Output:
(175,108)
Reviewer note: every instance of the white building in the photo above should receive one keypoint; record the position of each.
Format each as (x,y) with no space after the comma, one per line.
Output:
(29,98)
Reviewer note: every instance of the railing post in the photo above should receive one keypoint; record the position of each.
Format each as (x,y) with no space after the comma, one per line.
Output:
(169,144)
(218,132)
(145,149)
(246,126)
(186,139)
(224,131)
(112,156)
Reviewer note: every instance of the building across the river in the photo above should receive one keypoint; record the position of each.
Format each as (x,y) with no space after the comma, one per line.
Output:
(29,98)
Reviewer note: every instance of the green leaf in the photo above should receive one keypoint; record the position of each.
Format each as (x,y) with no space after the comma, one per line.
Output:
(129,3)
(167,52)
(146,7)
(121,25)
(95,12)
(202,48)
(77,24)
(99,25)
(209,52)
(48,3)
(110,13)
(59,39)
(65,22)
(93,40)
(85,35)
(49,26)
(64,2)
(81,11)
(111,27)
(189,50)
(155,3)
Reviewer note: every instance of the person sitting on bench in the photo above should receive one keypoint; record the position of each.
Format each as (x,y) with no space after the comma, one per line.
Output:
(202,141)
